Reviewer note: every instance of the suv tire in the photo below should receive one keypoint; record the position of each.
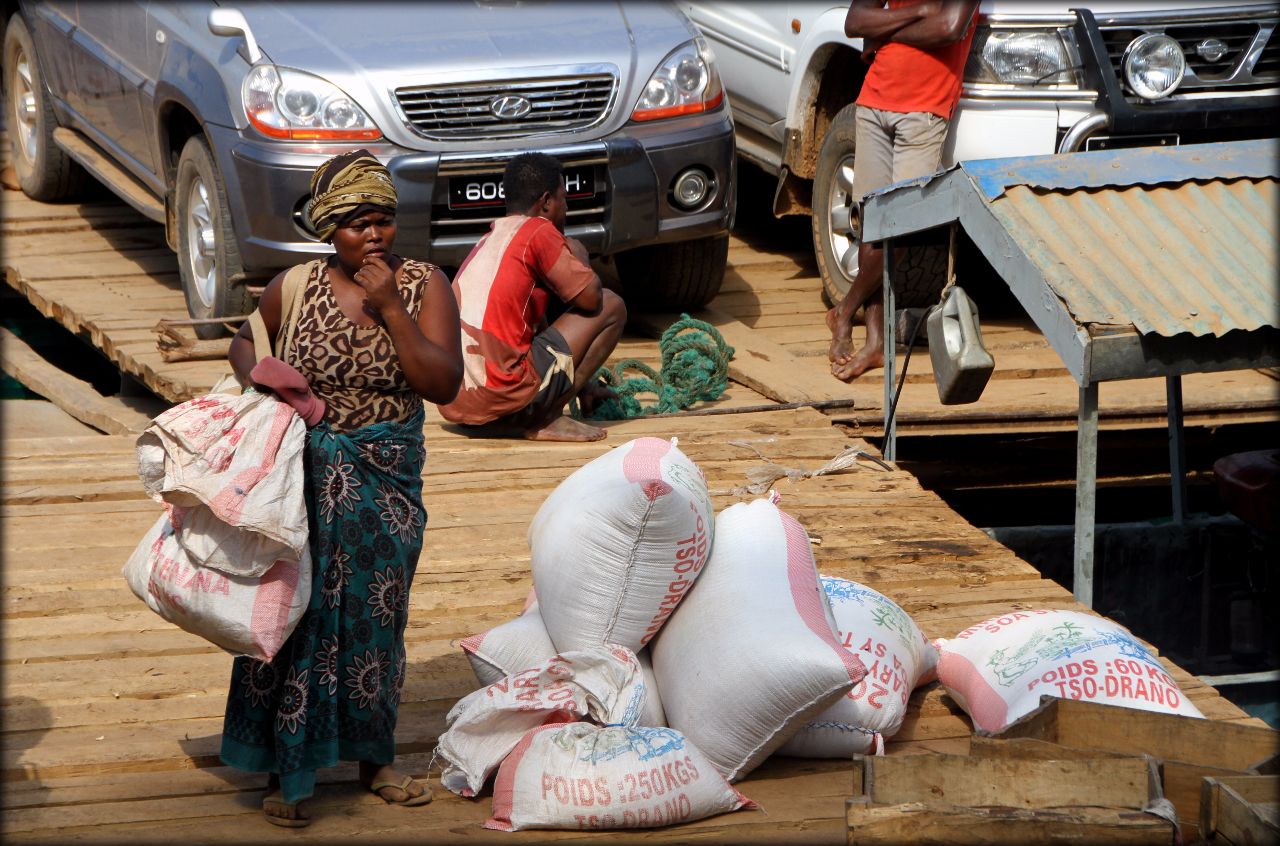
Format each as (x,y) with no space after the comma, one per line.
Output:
(45,172)
(677,277)
(920,272)
(207,254)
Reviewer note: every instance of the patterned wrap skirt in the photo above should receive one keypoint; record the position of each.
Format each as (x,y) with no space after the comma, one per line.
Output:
(333,691)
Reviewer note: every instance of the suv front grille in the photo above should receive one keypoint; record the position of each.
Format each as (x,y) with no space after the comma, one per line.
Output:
(465,111)
(1225,72)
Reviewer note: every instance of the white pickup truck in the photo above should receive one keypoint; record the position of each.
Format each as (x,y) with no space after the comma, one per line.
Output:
(1042,78)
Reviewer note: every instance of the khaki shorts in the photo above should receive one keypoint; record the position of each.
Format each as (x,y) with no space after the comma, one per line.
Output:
(892,146)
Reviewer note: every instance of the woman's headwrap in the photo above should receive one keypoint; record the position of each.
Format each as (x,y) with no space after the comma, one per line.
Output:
(345,183)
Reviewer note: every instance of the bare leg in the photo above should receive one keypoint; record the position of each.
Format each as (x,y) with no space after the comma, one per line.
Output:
(872,353)
(592,338)
(840,318)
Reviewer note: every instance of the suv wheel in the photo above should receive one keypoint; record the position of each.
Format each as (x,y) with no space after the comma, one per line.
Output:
(680,276)
(919,273)
(45,172)
(207,253)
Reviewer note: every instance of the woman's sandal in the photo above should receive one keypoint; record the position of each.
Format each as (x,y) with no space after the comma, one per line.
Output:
(281,813)
(403,786)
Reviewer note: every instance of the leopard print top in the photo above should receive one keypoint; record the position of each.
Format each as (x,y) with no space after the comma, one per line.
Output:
(354,368)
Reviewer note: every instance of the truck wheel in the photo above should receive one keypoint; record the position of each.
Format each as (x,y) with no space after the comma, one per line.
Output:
(207,254)
(45,172)
(680,276)
(920,271)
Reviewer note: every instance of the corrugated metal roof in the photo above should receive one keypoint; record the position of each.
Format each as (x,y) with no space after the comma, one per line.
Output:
(1197,257)
(1131,166)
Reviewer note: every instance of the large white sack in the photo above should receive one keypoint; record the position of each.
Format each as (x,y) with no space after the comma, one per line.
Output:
(751,655)
(898,657)
(241,457)
(618,544)
(245,615)
(583,777)
(602,683)
(998,669)
(523,642)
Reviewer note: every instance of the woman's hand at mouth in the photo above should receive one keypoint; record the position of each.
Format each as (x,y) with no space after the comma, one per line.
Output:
(378,280)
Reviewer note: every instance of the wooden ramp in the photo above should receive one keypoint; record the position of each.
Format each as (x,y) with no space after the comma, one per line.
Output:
(112,717)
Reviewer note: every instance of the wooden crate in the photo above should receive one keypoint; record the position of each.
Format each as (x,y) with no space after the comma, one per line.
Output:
(1186,749)
(1005,800)
(1241,809)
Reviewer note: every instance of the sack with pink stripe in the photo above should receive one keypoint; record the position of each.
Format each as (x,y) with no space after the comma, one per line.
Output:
(999,669)
(751,654)
(898,657)
(241,457)
(245,615)
(228,560)
(523,642)
(618,544)
(584,777)
(601,683)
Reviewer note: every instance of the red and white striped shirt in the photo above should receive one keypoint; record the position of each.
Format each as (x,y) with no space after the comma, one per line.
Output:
(503,288)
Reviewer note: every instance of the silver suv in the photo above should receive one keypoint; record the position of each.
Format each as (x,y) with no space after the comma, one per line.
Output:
(210,119)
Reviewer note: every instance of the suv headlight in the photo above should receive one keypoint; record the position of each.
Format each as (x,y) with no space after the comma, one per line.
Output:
(286,103)
(1154,65)
(1019,57)
(684,84)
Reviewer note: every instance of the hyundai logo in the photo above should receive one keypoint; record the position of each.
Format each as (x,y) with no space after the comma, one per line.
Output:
(510,106)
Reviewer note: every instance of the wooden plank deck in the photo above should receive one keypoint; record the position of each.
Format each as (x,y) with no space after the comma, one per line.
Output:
(112,717)
(103,271)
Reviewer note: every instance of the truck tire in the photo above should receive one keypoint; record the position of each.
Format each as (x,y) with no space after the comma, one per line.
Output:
(208,257)
(44,171)
(920,271)
(676,277)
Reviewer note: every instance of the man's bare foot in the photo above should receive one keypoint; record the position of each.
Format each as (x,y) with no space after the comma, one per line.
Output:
(870,356)
(841,349)
(565,428)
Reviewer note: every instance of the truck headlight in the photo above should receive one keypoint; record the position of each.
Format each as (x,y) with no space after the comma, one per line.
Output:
(1020,57)
(1153,65)
(286,103)
(684,84)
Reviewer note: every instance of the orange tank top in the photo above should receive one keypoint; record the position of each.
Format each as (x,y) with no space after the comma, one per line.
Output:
(904,78)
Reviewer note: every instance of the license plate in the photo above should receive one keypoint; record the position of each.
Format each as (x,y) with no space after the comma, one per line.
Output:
(1120,142)
(485,190)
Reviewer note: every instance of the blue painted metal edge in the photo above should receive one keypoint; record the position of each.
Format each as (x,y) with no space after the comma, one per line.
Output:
(1132,166)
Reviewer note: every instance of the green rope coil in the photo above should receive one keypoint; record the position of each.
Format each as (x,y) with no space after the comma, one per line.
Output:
(695,368)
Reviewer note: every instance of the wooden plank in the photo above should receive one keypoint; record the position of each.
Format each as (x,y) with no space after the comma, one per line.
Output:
(1241,809)
(1112,782)
(948,824)
(1168,737)
(74,396)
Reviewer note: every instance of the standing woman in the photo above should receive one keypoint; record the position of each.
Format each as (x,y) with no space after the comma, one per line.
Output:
(375,335)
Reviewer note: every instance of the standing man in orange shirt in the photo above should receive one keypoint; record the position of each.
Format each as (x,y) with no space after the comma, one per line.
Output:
(917,51)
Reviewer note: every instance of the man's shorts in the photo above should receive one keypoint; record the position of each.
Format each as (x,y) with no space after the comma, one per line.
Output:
(552,358)
(892,146)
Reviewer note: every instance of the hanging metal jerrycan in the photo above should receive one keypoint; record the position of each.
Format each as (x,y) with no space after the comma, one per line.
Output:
(961,364)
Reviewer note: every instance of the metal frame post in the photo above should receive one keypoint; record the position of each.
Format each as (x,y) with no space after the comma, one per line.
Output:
(1086,492)
(890,355)
(1177,447)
